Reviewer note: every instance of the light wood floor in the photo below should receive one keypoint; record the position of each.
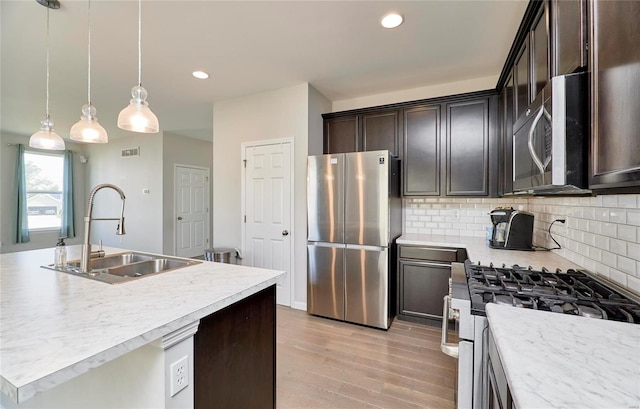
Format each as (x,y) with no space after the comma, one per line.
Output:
(323,363)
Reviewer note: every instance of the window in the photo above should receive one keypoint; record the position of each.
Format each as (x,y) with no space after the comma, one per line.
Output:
(44,183)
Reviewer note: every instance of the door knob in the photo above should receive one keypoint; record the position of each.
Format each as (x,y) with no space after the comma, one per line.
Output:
(179,217)
(285,232)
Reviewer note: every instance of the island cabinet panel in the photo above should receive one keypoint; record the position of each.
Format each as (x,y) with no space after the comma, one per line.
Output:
(422,151)
(615,84)
(381,131)
(235,355)
(467,148)
(341,135)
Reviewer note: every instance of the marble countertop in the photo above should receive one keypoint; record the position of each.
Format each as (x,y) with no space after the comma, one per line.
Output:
(55,326)
(564,361)
(479,252)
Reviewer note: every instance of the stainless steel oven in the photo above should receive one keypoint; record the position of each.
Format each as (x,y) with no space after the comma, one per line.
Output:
(551,139)
(470,349)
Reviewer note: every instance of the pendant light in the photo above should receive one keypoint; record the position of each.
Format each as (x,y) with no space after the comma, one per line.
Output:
(137,116)
(46,137)
(87,129)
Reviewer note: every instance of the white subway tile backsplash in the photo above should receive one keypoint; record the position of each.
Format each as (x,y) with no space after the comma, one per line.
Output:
(618,247)
(618,216)
(628,201)
(609,229)
(602,233)
(627,233)
(618,276)
(634,284)
(609,201)
(589,213)
(633,217)
(627,265)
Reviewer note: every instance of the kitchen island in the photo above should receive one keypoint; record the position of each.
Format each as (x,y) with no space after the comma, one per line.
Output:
(56,327)
(563,361)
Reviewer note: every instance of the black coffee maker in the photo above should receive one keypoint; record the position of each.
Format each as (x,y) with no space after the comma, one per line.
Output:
(512,229)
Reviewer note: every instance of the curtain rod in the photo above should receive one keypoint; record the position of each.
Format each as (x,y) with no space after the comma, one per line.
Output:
(42,150)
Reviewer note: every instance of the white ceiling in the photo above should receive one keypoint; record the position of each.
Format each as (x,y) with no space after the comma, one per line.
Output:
(247,47)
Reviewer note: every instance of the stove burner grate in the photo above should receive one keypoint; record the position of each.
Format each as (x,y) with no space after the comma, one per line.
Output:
(571,292)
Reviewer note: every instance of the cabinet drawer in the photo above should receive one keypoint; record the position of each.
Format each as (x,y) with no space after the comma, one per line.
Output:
(429,253)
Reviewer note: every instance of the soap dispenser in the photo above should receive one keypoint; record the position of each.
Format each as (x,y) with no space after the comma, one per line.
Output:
(61,253)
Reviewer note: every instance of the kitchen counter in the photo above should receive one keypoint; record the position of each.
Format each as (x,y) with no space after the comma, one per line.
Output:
(55,326)
(564,361)
(479,252)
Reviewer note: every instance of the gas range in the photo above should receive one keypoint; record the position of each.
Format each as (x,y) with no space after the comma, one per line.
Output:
(575,292)
(473,286)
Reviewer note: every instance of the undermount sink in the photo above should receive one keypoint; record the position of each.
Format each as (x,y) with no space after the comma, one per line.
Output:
(123,267)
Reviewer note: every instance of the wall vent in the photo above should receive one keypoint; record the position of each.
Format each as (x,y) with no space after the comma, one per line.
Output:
(128,152)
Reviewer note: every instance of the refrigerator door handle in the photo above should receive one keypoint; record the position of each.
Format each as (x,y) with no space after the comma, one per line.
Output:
(363,247)
(323,244)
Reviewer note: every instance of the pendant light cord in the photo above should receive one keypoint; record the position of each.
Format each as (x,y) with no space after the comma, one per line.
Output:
(140,42)
(89,56)
(47,102)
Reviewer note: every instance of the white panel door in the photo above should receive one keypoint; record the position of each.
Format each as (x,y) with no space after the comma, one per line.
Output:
(268,211)
(192,211)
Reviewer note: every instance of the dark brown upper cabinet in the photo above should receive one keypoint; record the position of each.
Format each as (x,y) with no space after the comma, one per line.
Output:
(371,131)
(614,40)
(418,132)
(539,42)
(568,36)
(381,131)
(422,151)
(522,94)
(468,143)
(341,134)
(505,118)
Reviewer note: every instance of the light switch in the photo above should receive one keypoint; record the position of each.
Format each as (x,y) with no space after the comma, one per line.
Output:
(145,191)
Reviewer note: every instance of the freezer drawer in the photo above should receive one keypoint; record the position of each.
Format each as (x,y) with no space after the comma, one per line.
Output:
(325,280)
(325,198)
(367,286)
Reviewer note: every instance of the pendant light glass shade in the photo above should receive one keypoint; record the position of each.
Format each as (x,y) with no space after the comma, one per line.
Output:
(87,129)
(46,137)
(137,116)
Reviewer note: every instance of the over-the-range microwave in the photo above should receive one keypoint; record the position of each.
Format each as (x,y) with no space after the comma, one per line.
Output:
(550,142)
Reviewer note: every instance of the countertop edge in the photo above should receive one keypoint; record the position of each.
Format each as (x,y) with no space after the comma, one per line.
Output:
(24,392)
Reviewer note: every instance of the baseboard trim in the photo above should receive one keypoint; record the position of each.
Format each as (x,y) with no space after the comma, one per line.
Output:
(298,305)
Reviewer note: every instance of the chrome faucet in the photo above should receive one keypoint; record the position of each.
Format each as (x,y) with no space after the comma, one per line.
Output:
(86,247)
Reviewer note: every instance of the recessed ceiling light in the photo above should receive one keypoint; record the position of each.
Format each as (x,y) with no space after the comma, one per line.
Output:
(391,20)
(201,75)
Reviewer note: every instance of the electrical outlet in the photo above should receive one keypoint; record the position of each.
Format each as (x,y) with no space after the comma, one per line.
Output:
(455,213)
(179,375)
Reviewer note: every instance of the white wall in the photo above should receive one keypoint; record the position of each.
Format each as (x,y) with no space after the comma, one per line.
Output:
(283,113)
(433,91)
(181,150)
(41,239)
(143,212)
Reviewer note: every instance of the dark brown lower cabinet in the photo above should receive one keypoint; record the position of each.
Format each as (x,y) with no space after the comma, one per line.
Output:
(235,355)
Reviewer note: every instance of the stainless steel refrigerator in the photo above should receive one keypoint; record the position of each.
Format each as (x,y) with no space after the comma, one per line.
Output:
(354,216)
